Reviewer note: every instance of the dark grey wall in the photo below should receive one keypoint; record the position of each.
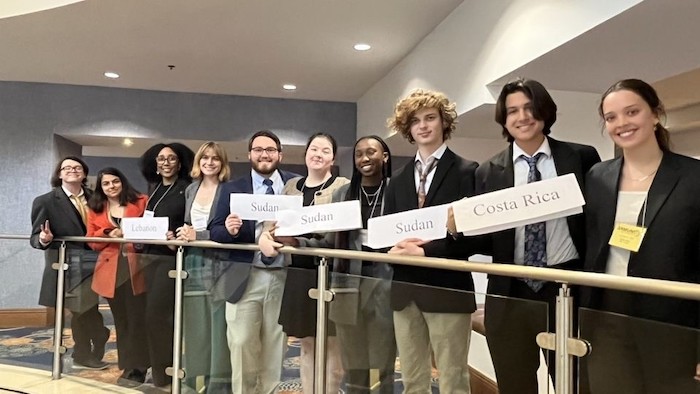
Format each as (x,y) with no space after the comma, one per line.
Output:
(34,115)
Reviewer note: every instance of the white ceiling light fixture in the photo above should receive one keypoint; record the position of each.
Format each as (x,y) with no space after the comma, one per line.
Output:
(289,86)
(128,142)
(362,47)
(111,75)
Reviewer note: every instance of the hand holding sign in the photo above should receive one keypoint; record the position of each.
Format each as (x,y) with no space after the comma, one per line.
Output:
(517,206)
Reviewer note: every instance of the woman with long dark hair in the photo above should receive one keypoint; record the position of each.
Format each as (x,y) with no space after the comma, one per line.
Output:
(166,167)
(118,275)
(363,317)
(648,344)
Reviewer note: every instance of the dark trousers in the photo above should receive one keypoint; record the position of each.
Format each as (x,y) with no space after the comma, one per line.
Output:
(160,307)
(637,356)
(129,312)
(88,329)
(511,327)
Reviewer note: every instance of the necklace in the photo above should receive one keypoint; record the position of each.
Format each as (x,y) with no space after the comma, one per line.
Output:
(375,198)
(323,186)
(371,197)
(644,178)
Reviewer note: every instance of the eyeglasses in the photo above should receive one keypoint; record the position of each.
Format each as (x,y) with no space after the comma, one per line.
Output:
(72,169)
(163,159)
(270,151)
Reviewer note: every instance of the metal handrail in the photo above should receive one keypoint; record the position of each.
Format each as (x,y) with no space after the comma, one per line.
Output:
(660,287)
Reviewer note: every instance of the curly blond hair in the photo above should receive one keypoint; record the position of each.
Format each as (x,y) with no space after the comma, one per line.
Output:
(418,99)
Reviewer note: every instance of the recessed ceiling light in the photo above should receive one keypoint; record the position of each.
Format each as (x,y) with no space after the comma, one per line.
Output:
(111,75)
(128,142)
(289,86)
(362,47)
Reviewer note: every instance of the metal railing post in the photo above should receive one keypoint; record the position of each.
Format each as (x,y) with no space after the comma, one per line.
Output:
(564,324)
(179,275)
(58,349)
(322,296)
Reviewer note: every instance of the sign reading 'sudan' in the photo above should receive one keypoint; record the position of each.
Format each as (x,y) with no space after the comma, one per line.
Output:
(427,223)
(517,206)
(145,228)
(262,206)
(322,218)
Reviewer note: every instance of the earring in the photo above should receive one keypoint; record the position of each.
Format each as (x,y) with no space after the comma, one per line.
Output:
(157,172)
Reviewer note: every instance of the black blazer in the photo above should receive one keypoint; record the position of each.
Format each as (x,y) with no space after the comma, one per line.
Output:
(671,247)
(497,173)
(235,279)
(64,221)
(453,180)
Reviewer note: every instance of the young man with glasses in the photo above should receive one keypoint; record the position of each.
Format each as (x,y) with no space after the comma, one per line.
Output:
(253,284)
(59,213)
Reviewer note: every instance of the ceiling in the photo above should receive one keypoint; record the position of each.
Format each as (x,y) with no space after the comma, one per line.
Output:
(238,47)
(252,47)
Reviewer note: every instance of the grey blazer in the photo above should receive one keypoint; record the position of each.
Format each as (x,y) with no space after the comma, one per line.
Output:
(190,194)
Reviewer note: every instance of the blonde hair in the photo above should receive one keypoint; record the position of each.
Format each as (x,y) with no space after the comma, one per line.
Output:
(418,99)
(224,174)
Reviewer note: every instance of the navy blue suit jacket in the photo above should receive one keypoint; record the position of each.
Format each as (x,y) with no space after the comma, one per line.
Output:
(236,275)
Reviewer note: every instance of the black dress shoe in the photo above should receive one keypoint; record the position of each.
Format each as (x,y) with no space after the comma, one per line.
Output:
(132,378)
(98,345)
(89,363)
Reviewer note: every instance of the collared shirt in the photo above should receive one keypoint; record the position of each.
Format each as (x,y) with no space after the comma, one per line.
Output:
(81,196)
(429,179)
(560,246)
(260,188)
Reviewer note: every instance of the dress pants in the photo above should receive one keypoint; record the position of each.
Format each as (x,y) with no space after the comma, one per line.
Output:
(88,329)
(255,338)
(160,308)
(334,365)
(448,334)
(636,356)
(512,324)
(129,313)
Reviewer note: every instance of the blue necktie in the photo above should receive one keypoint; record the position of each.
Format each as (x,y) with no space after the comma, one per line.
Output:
(536,233)
(267,182)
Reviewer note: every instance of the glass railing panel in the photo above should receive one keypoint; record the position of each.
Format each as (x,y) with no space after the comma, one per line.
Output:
(120,303)
(634,355)
(370,312)
(212,280)
(26,328)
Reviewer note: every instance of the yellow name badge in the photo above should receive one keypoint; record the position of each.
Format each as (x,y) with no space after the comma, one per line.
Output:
(627,236)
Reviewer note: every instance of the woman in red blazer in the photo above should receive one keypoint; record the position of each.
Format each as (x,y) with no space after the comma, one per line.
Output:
(118,276)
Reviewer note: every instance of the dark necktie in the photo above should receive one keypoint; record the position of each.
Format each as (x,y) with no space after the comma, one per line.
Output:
(268,182)
(536,233)
(422,176)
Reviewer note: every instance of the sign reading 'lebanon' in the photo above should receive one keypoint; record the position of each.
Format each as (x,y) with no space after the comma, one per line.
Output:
(322,218)
(262,206)
(145,228)
(517,206)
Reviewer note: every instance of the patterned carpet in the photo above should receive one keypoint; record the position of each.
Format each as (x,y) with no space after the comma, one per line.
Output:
(31,347)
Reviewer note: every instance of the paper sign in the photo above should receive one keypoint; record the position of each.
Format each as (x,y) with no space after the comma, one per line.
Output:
(517,206)
(262,206)
(145,228)
(322,218)
(427,223)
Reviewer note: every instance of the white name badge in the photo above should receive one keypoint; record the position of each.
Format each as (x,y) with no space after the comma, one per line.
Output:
(262,206)
(517,206)
(148,214)
(322,218)
(145,228)
(428,223)
(199,223)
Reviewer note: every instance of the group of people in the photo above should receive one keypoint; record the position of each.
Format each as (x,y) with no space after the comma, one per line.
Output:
(240,306)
